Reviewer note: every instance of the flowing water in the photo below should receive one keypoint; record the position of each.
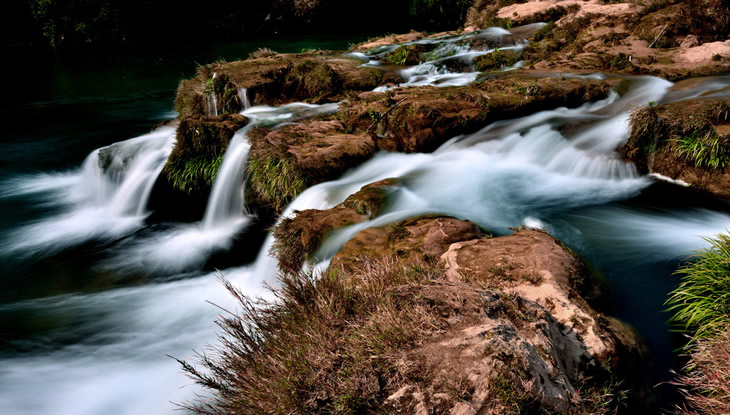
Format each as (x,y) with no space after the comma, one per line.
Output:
(94,298)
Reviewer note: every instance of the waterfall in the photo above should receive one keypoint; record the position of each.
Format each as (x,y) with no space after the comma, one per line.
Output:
(106,198)
(226,201)
(212,102)
(243,97)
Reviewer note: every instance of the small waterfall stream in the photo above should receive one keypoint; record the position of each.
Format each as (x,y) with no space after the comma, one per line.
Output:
(104,350)
(105,199)
(226,198)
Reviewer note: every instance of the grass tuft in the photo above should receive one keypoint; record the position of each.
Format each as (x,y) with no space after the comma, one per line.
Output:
(701,302)
(703,150)
(275,180)
(325,345)
(193,173)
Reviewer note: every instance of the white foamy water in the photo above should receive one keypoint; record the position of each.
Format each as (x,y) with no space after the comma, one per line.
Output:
(226,198)
(122,367)
(96,201)
(188,246)
(529,171)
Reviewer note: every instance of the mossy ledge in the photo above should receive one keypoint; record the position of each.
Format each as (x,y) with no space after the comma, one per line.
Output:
(688,141)
(273,79)
(287,160)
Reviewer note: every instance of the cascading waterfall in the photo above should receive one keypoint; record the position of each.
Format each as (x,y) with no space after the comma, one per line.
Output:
(512,172)
(106,198)
(226,201)
(243,97)
(188,246)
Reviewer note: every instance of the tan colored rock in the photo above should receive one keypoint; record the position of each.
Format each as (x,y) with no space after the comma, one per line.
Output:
(689,42)
(515,320)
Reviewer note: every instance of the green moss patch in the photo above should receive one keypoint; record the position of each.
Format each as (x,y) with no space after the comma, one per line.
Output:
(274,179)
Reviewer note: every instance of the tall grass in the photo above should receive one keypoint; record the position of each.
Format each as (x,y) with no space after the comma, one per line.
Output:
(701,302)
(326,345)
(701,306)
(703,150)
(706,381)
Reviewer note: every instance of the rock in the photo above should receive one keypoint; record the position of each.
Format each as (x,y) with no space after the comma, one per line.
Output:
(516,331)
(298,237)
(411,241)
(689,42)
(273,79)
(419,119)
(597,36)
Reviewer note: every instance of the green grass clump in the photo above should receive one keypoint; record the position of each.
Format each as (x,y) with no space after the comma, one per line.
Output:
(701,307)
(703,150)
(275,180)
(194,173)
(399,56)
(701,303)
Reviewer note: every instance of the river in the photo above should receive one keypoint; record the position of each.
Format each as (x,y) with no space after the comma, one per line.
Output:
(94,300)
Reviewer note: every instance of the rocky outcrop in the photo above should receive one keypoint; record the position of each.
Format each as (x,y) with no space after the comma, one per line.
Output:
(515,328)
(628,37)
(273,79)
(298,237)
(518,333)
(687,141)
(417,119)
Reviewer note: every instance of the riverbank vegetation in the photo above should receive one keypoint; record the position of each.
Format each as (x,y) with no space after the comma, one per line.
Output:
(701,307)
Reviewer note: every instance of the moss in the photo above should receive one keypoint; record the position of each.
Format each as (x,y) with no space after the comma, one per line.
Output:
(274,179)
(193,174)
(189,99)
(226,95)
(410,54)
(313,81)
(496,60)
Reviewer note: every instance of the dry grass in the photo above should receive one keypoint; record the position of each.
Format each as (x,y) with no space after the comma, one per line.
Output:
(326,345)
(706,382)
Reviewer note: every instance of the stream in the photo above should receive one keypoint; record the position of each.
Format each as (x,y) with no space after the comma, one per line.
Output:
(94,298)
